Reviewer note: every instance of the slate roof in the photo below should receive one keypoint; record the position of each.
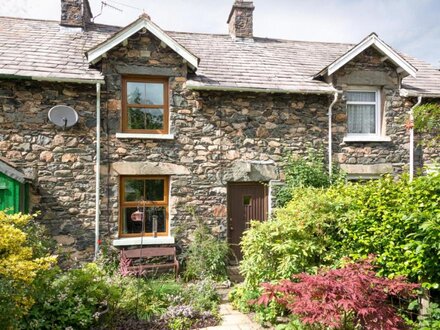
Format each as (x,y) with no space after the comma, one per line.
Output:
(44,50)
(9,170)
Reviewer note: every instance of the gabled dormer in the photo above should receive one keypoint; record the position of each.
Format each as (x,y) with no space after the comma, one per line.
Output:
(368,74)
(142,24)
(403,67)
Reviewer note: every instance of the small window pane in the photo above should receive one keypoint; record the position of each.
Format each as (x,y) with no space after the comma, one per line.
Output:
(135,93)
(154,94)
(247,200)
(160,212)
(155,190)
(129,226)
(145,93)
(144,190)
(134,190)
(361,119)
(135,227)
(361,96)
(146,119)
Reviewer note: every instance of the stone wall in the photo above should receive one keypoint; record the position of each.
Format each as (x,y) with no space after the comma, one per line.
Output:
(215,135)
(59,162)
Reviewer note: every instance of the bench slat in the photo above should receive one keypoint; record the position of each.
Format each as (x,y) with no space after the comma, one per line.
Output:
(135,254)
(149,252)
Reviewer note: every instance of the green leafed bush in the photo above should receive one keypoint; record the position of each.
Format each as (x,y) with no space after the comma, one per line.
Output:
(427,120)
(398,221)
(206,255)
(309,171)
(23,258)
(303,236)
(74,299)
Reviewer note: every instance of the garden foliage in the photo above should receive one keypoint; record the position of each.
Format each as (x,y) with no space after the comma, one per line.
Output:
(36,294)
(427,120)
(303,236)
(346,298)
(206,256)
(309,171)
(396,220)
(22,258)
(74,298)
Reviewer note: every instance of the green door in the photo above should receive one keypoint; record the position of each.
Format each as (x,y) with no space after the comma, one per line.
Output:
(11,195)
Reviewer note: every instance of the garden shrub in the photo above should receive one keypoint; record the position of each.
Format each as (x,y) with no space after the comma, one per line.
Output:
(206,255)
(202,295)
(399,222)
(147,299)
(303,236)
(309,171)
(432,320)
(396,220)
(22,258)
(166,303)
(346,298)
(74,298)
(427,121)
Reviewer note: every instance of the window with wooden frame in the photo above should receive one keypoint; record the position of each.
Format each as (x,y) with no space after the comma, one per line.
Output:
(148,194)
(145,105)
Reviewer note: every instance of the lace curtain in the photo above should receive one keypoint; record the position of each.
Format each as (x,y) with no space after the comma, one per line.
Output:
(361,112)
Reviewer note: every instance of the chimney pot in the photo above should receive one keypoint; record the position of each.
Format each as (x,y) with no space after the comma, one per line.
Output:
(75,13)
(241,20)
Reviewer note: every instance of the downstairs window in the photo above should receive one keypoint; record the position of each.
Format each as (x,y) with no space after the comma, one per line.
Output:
(148,194)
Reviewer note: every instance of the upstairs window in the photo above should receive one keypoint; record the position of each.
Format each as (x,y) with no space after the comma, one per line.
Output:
(363,112)
(145,105)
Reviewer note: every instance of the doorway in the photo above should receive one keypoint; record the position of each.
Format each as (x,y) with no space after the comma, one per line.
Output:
(246,201)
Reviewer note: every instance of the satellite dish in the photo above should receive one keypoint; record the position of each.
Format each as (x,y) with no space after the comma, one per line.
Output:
(63,116)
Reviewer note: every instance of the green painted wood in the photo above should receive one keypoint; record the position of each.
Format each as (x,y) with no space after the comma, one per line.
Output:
(12,197)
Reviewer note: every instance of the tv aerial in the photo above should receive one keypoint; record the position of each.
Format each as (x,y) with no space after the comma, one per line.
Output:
(63,116)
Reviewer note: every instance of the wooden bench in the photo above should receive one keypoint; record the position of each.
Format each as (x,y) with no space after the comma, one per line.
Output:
(129,257)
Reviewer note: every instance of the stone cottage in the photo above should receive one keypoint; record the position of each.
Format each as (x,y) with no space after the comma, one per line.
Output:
(191,125)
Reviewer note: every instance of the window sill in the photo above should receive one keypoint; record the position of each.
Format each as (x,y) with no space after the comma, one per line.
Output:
(127,241)
(145,136)
(360,138)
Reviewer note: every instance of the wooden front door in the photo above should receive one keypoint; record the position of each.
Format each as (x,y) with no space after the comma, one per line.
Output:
(246,202)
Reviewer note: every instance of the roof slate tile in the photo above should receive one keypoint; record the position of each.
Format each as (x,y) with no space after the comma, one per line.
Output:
(37,48)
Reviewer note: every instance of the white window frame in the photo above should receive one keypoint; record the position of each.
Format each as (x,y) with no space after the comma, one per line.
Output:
(378,117)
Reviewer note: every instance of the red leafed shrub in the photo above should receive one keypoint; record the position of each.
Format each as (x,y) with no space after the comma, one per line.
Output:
(352,294)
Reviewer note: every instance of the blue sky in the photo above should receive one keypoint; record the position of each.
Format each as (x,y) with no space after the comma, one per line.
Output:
(411,26)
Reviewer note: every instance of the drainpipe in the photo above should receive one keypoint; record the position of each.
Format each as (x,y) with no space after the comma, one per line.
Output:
(330,137)
(411,139)
(98,167)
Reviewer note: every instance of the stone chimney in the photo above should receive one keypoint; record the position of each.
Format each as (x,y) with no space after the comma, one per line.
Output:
(241,20)
(75,13)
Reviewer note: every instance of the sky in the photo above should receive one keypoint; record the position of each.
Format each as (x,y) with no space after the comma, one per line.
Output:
(411,26)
